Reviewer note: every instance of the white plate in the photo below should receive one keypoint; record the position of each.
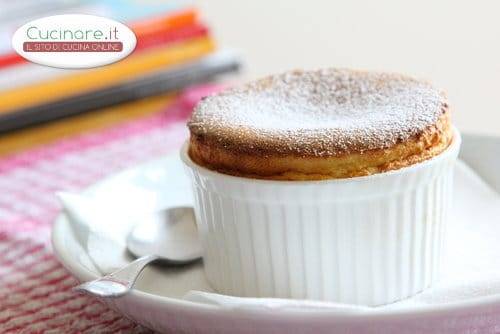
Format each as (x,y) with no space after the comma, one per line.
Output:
(157,303)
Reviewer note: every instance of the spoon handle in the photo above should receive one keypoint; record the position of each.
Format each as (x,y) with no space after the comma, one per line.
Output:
(117,283)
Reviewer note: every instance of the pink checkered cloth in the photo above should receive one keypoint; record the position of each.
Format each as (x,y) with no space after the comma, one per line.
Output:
(35,290)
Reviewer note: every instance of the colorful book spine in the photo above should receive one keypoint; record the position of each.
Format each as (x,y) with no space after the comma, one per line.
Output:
(173,20)
(165,29)
(21,73)
(170,37)
(162,82)
(25,74)
(10,59)
(140,64)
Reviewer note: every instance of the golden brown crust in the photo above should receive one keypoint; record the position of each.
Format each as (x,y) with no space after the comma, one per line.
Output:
(318,113)
(431,142)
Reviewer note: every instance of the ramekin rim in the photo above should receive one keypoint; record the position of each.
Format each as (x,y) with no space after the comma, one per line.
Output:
(454,146)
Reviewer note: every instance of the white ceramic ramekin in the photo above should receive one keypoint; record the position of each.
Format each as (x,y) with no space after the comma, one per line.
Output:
(367,240)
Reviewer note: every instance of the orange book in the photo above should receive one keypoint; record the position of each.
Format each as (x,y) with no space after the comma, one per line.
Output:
(170,36)
(133,66)
(170,21)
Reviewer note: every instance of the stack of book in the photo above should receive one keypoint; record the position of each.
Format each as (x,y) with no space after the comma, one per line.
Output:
(174,49)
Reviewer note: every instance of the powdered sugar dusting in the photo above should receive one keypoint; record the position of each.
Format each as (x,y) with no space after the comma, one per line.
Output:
(320,113)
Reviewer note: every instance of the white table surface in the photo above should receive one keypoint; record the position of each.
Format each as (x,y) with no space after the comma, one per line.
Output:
(454,44)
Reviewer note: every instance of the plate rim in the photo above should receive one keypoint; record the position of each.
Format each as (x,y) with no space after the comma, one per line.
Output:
(81,273)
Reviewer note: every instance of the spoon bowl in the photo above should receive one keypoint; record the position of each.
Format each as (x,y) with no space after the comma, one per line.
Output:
(169,236)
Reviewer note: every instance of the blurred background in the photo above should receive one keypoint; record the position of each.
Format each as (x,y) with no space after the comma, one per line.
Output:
(454,44)
(183,43)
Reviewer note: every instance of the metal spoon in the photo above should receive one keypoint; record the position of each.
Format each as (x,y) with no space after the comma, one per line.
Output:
(169,235)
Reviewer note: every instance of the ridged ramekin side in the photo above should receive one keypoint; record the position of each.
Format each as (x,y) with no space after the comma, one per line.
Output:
(325,240)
